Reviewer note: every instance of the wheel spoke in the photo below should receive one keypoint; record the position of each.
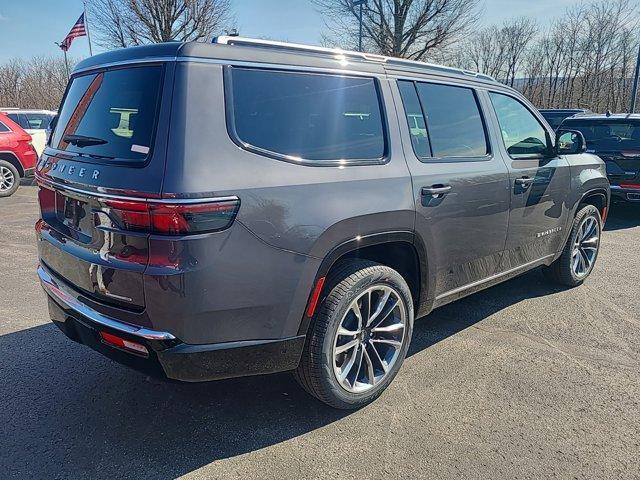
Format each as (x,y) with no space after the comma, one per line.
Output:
(393,343)
(380,306)
(389,328)
(377,355)
(358,313)
(347,333)
(347,346)
(382,317)
(370,371)
(359,354)
(346,367)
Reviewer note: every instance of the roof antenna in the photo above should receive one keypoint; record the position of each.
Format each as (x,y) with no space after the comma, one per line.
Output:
(608,114)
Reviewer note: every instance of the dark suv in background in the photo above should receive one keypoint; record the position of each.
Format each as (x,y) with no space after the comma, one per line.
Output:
(555,116)
(247,207)
(616,140)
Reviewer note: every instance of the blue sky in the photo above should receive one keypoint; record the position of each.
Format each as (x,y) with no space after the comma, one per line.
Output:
(30,28)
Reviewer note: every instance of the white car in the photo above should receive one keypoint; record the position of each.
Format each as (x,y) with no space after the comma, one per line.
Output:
(34,122)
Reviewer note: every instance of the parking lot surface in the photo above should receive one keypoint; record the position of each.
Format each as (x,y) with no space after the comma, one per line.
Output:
(524,380)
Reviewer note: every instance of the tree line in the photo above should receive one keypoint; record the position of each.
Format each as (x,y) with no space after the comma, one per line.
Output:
(585,58)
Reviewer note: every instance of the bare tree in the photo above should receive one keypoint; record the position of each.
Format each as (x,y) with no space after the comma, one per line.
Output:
(400,28)
(584,59)
(36,83)
(123,23)
(499,51)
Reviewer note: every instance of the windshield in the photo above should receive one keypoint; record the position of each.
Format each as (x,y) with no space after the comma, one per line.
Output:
(110,114)
(608,135)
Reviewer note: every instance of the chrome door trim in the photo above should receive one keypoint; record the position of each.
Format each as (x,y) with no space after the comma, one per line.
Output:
(492,277)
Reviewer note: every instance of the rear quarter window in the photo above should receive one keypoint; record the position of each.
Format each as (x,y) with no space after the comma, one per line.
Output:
(305,117)
(111,114)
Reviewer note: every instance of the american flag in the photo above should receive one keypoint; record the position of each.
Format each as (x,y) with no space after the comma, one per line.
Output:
(78,30)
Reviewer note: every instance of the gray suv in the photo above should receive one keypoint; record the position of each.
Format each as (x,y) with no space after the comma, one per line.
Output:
(247,207)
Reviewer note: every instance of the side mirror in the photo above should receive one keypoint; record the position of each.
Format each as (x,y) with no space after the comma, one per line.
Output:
(570,142)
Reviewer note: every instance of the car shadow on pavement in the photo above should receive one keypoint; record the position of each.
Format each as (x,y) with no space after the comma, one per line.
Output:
(450,319)
(622,216)
(66,411)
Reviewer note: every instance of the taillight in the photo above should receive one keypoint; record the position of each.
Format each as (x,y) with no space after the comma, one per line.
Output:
(47,200)
(173,218)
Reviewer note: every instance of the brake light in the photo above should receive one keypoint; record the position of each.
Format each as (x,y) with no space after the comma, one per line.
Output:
(128,345)
(630,185)
(173,218)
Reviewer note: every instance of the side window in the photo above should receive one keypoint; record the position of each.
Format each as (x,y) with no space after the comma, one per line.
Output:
(20,119)
(305,116)
(415,119)
(523,134)
(37,120)
(4,128)
(454,121)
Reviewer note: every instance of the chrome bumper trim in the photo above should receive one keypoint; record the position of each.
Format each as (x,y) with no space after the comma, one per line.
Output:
(70,299)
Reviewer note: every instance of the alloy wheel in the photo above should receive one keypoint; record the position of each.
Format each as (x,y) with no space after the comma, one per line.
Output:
(585,247)
(369,339)
(7,179)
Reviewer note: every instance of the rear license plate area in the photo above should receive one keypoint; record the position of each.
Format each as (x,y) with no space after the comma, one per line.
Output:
(76,216)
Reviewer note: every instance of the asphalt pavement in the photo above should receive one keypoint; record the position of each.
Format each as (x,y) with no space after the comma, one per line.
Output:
(524,380)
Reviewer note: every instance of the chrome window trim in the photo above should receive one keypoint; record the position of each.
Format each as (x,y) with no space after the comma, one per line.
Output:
(340,163)
(483,119)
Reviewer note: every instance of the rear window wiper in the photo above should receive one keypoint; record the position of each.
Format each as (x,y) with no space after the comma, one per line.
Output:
(83,141)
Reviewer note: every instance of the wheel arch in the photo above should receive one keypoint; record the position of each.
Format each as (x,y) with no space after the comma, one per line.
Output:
(401,250)
(13,160)
(598,197)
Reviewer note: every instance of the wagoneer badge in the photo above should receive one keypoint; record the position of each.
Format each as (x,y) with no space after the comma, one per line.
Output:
(71,169)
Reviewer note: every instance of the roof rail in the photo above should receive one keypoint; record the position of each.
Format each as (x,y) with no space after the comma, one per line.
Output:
(257,42)
(372,57)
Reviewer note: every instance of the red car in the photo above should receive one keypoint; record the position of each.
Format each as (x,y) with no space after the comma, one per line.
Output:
(17,156)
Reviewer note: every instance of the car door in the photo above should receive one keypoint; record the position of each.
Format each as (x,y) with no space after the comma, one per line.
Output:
(540,182)
(460,187)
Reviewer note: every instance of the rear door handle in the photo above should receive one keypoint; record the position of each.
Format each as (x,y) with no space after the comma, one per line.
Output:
(524,181)
(436,190)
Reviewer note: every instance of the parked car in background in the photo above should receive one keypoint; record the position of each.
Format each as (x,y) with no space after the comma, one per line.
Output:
(17,155)
(247,207)
(555,116)
(616,139)
(34,122)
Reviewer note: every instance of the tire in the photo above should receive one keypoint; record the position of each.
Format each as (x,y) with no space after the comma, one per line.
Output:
(567,269)
(348,287)
(9,179)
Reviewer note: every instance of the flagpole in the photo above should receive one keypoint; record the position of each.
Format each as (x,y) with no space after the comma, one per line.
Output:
(86,25)
(66,61)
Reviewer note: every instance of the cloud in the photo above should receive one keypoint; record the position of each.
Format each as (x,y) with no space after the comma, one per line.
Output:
(2,17)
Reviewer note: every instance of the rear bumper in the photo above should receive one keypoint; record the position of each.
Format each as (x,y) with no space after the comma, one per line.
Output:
(168,356)
(626,194)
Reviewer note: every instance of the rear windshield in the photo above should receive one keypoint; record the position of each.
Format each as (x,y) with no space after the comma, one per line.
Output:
(304,116)
(607,135)
(111,114)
